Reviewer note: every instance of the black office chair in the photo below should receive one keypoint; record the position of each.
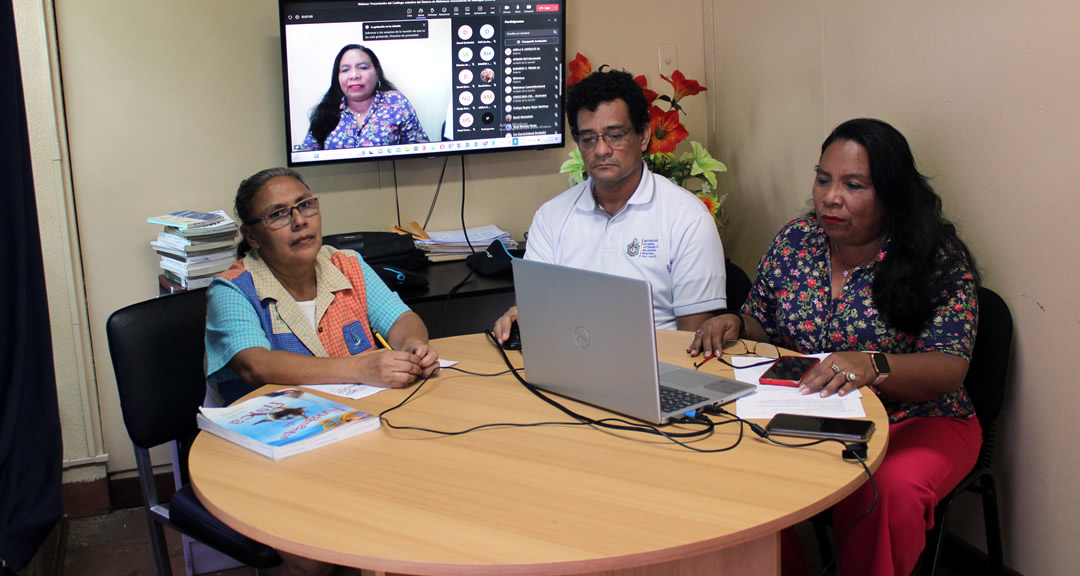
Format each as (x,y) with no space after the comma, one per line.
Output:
(738,286)
(157,355)
(985,384)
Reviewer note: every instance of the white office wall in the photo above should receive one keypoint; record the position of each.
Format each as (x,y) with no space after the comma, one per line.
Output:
(986,94)
(170,104)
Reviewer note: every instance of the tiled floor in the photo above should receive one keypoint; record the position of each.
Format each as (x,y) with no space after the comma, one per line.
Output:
(118,544)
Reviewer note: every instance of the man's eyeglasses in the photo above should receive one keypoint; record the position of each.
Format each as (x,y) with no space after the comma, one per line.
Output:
(739,348)
(283,217)
(615,139)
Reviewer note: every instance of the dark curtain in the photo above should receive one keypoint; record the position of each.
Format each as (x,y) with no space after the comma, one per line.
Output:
(30,443)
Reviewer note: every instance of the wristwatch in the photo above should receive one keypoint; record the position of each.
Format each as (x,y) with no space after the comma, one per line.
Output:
(881,365)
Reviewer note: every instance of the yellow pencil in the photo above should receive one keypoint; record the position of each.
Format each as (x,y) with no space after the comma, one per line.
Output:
(382,341)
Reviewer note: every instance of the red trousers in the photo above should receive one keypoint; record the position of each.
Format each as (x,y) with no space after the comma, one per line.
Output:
(925,460)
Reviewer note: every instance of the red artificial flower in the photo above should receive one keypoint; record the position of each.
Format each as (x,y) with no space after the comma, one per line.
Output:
(710,203)
(650,96)
(579,69)
(667,131)
(683,86)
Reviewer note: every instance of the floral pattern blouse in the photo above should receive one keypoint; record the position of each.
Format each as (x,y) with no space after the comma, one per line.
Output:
(390,120)
(792,299)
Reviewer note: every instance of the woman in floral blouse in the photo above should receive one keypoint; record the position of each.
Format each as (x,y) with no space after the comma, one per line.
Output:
(878,277)
(361,107)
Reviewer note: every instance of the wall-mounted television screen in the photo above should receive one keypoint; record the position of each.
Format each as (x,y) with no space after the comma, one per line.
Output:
(380,79)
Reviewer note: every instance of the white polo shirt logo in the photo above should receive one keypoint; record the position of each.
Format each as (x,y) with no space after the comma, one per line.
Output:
(644,248)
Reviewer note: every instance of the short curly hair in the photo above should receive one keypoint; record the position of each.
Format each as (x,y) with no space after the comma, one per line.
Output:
(605,86)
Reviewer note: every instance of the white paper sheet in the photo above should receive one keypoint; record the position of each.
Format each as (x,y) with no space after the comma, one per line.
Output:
(358,391)
(353,391)
(770,400)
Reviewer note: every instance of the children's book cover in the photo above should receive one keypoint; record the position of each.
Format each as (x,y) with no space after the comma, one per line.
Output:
(286,422)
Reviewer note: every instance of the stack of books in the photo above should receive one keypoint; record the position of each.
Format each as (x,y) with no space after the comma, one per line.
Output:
(451,244)
(194,247)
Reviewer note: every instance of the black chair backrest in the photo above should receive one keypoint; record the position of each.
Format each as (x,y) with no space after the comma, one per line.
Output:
(989,367)
(157,354)
(738,286)
(985,381)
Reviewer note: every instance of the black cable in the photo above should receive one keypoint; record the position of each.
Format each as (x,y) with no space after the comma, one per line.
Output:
(618,423)
(464,230)
(847,531)
(436,197)
(397,201)
(764,434)
(579,419)
(384,420)
(503,373)
(446,305)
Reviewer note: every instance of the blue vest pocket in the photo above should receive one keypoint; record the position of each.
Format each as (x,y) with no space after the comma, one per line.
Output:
(355,338)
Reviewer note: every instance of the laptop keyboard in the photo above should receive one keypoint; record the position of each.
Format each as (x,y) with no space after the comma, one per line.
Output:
(672,400)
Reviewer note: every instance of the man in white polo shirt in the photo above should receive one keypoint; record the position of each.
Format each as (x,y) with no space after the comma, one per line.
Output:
(624,219)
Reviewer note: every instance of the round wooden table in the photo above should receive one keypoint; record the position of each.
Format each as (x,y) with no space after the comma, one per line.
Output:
(526,501)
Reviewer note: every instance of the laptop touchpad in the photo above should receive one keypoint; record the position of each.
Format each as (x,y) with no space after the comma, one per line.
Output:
(683,378)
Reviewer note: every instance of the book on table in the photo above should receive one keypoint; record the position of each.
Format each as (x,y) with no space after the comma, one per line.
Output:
(285,422)
(185,219)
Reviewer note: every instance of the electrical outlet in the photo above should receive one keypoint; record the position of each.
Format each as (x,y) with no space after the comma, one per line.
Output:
(669,60)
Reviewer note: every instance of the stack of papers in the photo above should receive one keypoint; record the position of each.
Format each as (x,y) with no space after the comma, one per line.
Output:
(451,244)
(771,400)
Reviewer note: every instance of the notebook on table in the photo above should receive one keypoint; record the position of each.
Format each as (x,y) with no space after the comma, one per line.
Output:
(590,336)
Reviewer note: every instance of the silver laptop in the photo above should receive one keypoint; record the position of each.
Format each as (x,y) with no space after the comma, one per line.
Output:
(590,336)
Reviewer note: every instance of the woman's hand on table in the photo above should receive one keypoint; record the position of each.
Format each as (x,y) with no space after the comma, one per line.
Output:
(390,368)
(429,358)
(839,373)
(710,337)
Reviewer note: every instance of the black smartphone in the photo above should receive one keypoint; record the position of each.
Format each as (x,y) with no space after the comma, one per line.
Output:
(788,370)
(817,427)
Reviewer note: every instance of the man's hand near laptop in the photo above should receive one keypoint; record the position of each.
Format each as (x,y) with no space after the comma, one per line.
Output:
(502,325)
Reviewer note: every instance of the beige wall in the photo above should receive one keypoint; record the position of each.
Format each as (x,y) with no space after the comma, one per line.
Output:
(170,104)
(986,93)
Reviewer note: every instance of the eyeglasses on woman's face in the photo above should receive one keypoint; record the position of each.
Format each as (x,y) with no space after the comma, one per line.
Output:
(282,217)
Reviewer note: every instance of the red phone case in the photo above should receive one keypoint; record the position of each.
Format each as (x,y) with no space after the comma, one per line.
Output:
(785,382)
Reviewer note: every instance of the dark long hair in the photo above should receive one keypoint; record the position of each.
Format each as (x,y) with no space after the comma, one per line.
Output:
(244,204)
(327,114)
(909,281)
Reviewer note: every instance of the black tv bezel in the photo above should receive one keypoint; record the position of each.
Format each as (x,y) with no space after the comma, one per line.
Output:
(562,132)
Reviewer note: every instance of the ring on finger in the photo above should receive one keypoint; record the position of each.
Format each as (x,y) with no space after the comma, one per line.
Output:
(835,369)
(698,332)
(849,376)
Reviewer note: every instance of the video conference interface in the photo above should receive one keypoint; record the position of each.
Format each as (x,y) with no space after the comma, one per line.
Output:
(481,74)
